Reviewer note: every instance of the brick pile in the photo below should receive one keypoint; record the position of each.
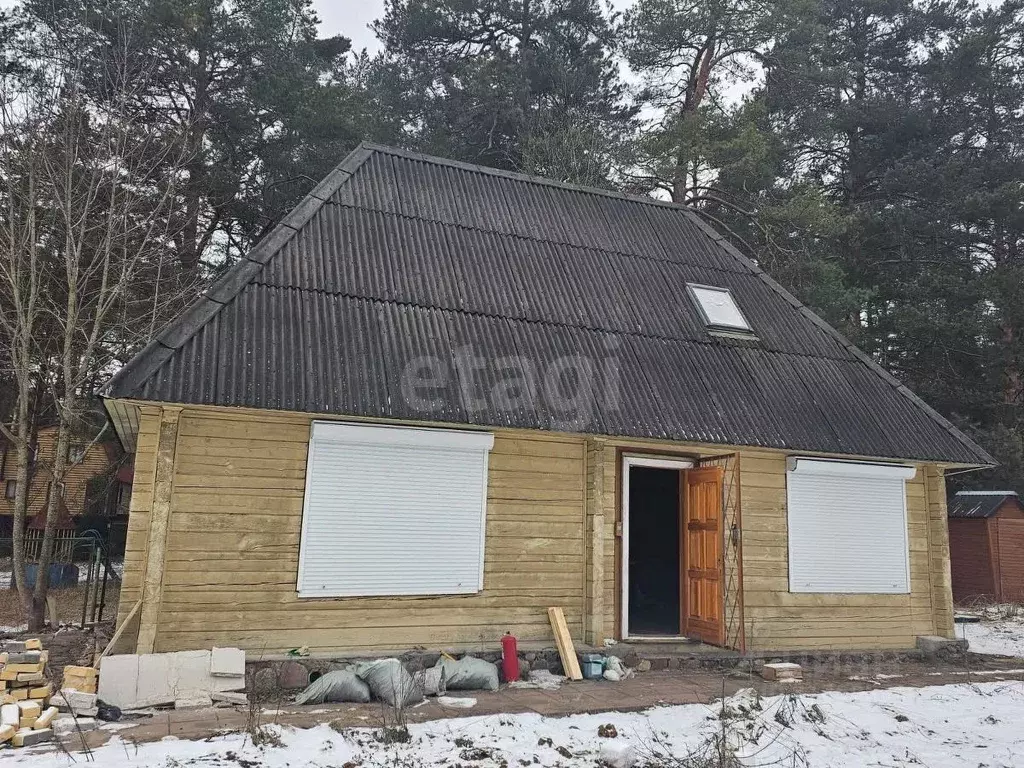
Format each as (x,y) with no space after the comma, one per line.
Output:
(25,715)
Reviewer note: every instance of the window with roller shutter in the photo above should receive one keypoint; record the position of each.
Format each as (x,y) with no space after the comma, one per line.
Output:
(847,527)
(393,511)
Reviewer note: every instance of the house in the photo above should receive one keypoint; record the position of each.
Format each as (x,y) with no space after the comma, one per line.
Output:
(986,546)
(439,398)
(93,482)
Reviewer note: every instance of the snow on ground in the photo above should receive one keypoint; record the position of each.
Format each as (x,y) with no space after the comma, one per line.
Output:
(1000,631)
(941,726)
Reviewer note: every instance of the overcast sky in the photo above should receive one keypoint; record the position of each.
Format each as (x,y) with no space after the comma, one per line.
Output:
(352,17)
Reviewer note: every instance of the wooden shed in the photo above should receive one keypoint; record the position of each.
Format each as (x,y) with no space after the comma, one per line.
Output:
(986,546)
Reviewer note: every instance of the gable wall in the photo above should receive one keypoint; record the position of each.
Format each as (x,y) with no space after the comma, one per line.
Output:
(226,571)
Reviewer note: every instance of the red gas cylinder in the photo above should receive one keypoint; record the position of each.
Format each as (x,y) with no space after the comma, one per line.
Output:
(509,658)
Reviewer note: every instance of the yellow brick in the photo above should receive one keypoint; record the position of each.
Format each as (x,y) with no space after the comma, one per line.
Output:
(8,674)
(89,673)
(33,644)
(19,669)
(42,692)
(17,694)
(45,719)
(31,677)
(6,733)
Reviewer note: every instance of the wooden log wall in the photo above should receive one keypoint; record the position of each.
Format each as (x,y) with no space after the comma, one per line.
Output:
(228,569)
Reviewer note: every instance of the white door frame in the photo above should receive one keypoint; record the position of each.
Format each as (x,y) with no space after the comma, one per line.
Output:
(628,462)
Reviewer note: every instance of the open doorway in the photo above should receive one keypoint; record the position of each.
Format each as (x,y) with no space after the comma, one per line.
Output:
(653,546)
(654,552)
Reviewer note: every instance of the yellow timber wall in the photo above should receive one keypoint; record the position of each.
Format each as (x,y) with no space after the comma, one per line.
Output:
(213,544)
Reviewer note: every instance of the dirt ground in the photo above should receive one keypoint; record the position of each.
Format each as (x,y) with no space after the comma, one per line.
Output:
(69,605)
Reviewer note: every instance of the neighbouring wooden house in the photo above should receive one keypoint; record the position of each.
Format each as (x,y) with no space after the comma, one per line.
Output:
(986,546)
(439,398)
(93,483)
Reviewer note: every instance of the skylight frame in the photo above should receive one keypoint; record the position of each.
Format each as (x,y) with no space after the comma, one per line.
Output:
(746,329)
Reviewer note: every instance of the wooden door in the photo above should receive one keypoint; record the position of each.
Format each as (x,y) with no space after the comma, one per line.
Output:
(703,564)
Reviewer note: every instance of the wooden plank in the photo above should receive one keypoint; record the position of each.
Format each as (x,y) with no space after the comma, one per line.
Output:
(566,650)
(121,628)
(156,549)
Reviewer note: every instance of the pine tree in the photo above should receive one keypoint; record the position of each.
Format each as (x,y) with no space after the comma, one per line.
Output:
(528,85)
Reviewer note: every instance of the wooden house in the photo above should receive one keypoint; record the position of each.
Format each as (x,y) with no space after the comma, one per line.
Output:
(986,546)
(439,398)
(93,474)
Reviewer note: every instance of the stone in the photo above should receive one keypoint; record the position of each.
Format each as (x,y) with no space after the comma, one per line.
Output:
(15,646)
(154,683)
(264,681)
(229,697)
(46,718)
(65,724)
(196,699)
(227,662)
(10,715)
(782,671)
(661,663)
(31,677)
(291,675)
(933,646)
(119,679)
(42,692)
(26,737)
(78,702)
(644,665)
(29,710)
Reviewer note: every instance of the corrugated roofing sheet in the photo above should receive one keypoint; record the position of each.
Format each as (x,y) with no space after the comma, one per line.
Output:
(979,504)
(410,287)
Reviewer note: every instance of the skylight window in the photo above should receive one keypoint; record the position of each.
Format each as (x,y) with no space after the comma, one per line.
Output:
(719,308)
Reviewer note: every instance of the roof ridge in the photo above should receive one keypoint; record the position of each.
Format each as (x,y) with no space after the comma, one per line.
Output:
(524,177)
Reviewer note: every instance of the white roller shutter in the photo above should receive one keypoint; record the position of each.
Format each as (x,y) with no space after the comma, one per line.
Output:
(393,511)
(847,527)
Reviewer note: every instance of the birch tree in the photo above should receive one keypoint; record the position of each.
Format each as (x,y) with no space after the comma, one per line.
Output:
(87,257)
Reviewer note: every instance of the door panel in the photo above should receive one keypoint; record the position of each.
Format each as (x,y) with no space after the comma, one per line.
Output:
(702,564)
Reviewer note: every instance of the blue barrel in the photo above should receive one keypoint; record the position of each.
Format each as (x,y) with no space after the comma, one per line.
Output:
(61,575)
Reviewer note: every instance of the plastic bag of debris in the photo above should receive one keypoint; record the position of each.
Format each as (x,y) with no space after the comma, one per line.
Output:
(389,682)
(431,681)
(339,685)
(469,674)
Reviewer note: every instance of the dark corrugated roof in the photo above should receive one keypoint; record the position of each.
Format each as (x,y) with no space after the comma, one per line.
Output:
(541,305)
(979,504)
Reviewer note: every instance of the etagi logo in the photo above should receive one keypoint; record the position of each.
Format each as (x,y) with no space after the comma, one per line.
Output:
(568,391)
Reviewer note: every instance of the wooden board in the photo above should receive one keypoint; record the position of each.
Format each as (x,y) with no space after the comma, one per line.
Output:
(570,664)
